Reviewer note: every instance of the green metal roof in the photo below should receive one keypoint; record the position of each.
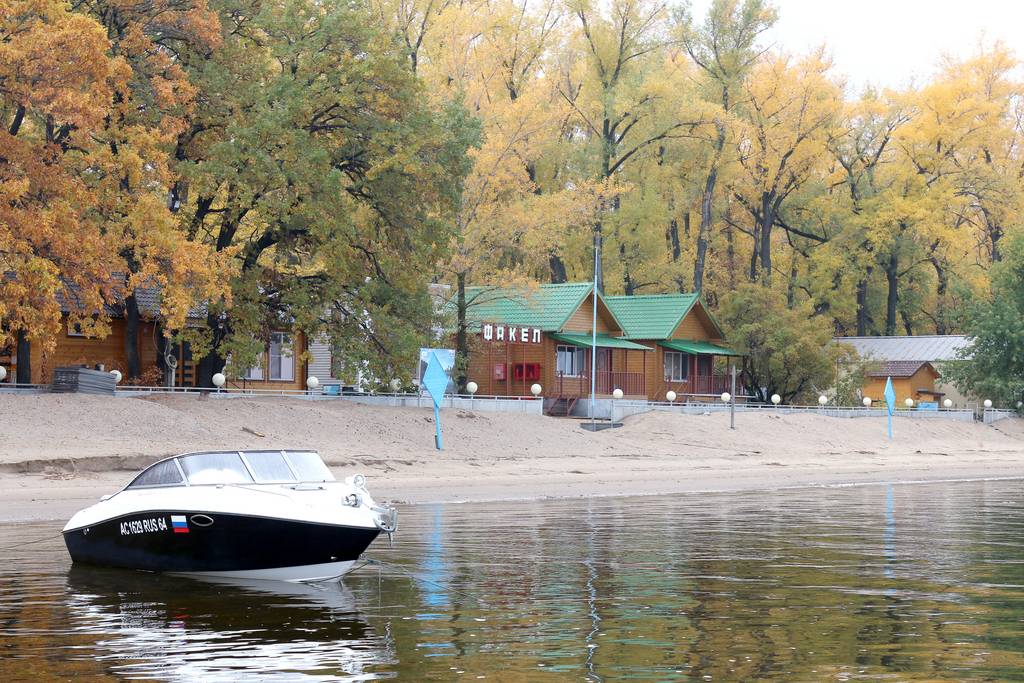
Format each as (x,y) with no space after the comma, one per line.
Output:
(651,316)
(548,307)
(585,339)
(688,346)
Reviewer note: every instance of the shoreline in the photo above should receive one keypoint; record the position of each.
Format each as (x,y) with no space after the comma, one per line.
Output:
(62,452)
(25,500)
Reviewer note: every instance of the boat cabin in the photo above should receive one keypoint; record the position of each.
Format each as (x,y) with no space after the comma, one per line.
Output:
(235,467)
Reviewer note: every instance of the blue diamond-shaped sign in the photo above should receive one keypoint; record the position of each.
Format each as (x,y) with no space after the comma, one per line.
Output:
(435,379)
(890,395)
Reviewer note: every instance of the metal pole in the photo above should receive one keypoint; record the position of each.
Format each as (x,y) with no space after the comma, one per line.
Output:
(593,340)
(732,402)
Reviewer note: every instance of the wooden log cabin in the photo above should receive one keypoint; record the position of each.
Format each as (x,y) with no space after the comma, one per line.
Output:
(646,345)
(280,368)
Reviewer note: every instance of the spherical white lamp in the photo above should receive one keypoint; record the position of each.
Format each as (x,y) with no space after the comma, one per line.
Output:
(312,382)
(117,376)
(909,403)
(776,399)
(218,380)
(617,394)
(395,385)
(671,396)
(867,401)
(1020,404)
(822,400)
(987,403)
(948,403)
(726,397)
(535,390)
(3,373)
(471,387)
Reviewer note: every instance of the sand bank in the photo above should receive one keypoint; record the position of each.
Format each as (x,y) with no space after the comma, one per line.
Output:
(61,452)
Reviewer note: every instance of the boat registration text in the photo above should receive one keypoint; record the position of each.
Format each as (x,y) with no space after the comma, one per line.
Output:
(143,526)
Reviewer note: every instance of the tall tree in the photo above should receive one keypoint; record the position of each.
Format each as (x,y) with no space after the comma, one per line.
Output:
(725,48)
(316,163)
(57,82)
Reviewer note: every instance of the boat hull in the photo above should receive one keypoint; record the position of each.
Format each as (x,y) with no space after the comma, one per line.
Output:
(220,544)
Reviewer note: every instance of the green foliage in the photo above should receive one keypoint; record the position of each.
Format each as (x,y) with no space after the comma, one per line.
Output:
(788,350)
(319,164)
(993,363)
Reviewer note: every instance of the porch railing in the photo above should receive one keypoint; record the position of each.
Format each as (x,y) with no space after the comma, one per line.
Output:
(606,381)
(697,385)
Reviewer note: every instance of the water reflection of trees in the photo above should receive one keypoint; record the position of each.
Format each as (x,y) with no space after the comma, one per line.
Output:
(912,583)
(793,585)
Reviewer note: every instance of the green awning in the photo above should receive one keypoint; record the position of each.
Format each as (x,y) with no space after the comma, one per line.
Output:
(687,346)
(603,340)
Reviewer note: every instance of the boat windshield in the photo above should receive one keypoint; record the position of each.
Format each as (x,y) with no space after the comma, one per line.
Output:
(238,467)
(164,473)
(269,467)
(215,468)
(309,466)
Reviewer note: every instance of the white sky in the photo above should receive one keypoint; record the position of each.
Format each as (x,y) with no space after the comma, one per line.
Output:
(890,43)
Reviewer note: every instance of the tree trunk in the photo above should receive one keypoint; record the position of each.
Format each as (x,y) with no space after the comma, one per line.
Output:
(893,297)
(791,285)
(769,209)
(755,252)
(941,289)
(23,375)
(707,202)
(862,308)
(730,254)
(704,232)
(131,336)
(675,251)
(212,362)
(461,339)
(557,266)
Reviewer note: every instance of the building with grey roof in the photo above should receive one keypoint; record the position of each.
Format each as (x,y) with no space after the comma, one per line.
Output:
(900,352)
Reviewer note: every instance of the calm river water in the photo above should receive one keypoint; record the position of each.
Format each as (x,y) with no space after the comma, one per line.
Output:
(902,583)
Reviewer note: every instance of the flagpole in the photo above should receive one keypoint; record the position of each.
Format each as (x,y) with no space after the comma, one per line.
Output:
(593,337)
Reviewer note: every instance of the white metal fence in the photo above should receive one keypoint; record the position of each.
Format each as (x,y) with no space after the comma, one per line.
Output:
(623,409)
(535,406)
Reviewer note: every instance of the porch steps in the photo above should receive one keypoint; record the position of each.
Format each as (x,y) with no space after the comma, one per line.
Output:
(561,406)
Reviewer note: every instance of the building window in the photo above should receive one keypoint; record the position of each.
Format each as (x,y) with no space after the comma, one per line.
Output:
(570,360)
(255,372)
(677,366)
(282,363)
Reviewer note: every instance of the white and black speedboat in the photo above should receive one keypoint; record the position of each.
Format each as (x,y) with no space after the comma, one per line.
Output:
(242,514)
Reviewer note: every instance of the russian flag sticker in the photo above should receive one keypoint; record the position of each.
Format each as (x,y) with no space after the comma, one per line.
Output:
(179,524)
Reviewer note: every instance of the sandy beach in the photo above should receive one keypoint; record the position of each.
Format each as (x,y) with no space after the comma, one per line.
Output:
(61,452)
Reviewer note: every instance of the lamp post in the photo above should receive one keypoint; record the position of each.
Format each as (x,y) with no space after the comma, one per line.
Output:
(616,395)
(776,399)
(471,387)
(312,382)
(867,401)
(3,373)
(947,404)
(670,397)
(218,380)
(117,376)
(729,400)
